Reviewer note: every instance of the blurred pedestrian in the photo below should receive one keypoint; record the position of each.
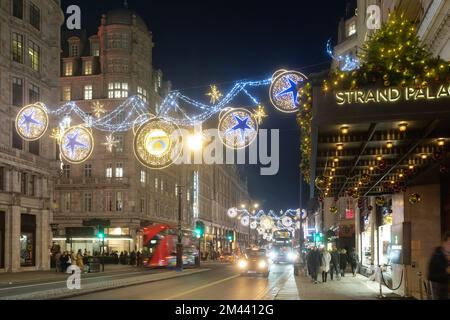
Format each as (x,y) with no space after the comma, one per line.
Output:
(133,258)
(335,264)
(439,270)
(64,261)
(79,259)
(58,261)
(121,258)
(314,264)
(354,261)
(325,264)
(343,260)
(138,258)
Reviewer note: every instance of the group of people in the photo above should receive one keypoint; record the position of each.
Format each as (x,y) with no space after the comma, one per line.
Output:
(64,259)
(134,258)
(322,261)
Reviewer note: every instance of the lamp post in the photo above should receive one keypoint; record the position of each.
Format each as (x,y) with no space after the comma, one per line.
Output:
(179,266)
(254,206)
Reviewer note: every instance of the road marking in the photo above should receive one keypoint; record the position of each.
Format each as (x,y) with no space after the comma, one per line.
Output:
(202,287)
(64,281)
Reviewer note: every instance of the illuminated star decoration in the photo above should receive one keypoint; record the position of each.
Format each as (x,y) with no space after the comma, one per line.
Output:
(97,109)
(110,142)
(214,94)
(27,120)
(241,124)
(73,143)
(260,114)
(292,89)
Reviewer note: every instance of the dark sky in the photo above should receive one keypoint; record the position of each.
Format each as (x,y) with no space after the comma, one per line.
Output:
(198,43)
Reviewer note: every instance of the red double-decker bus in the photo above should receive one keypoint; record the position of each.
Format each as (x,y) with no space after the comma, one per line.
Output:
(159,247)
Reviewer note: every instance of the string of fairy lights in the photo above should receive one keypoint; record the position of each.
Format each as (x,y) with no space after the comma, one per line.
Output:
(157,138)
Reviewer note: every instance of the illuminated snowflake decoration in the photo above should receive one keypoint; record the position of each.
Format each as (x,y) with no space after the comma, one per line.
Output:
(237,128)
(253,225)
(111,142)
(77,144)
(32,122)
(98,109)
(286,221)
(157,143)
(259,114)
(245,221)
(284,90)
(214,94)
(266,222)
(232,212)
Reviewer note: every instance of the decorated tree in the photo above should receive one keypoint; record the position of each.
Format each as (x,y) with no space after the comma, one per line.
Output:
(393,56)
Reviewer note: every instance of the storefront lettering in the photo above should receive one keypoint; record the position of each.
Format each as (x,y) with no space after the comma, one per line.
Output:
(391,95)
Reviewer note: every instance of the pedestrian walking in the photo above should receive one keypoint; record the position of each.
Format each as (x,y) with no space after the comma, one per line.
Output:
(335,264)
(325,264)
(354,261)
(79,260)
(439,270)
(314,263)
(121,258)
(64,261)
(58,261)
(133,258)
(343,260)
(138,258)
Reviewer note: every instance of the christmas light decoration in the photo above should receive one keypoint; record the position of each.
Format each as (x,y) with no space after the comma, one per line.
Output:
(237,128)
(348,62)
(32,121)
(259,114)
(111,142)
(77,144)
(97,109)
(284,91)
(214,94)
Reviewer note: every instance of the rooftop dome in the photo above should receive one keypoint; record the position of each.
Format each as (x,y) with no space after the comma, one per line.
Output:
(124,16)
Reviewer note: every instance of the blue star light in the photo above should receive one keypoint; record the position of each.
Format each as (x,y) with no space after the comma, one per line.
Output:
(28,120)
(241,124)
(292,89)
(74,143)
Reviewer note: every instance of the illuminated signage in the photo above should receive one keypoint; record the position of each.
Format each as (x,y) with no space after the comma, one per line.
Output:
(391,95)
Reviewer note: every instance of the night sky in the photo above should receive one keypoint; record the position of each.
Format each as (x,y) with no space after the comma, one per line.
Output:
(198,43)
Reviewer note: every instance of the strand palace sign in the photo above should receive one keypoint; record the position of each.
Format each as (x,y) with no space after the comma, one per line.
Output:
(391,95)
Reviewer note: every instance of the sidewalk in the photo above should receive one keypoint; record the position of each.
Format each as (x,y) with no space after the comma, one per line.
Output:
(9,278)
(348,288)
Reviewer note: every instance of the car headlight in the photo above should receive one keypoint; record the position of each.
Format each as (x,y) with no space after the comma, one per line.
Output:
(272,255)
(242,264)
(262,264)
(292,256)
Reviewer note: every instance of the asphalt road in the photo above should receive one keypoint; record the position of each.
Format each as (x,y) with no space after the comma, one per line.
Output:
(222,282)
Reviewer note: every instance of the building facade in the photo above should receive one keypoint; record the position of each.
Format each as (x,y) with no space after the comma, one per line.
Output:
(390,145)
(30,44)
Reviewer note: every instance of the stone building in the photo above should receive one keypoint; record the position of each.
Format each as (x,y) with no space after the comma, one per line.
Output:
(106,69)
(30,45)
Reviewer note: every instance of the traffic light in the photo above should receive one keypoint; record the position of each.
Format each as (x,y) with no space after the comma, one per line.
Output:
(230,236)
(101,233)
(199,229)
(318,237)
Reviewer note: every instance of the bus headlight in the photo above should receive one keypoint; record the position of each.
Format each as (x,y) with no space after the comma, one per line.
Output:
(272,255)
(242,264)
(262,264)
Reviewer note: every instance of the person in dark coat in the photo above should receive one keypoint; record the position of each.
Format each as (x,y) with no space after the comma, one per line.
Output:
(343,260)
(121,258)
(138,258)
(439,270)
(133,258)
(314,262)
(335,264)
(354,260)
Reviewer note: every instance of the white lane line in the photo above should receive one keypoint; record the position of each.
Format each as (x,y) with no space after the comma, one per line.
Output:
(202,287)
(64,281)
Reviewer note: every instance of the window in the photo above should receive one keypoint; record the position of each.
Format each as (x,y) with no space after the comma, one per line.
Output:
(74,50)
(17,141)
(2,178)
(17,96)
(162,185)
(118,65)
(351,29)
(34,147)
(108,202)
(23,183)
(142,176)
(88,92)
(17,47)
(87,67)
(142,204)
(119,201)
(35,16)
(142,93)
(33,93)
(95,49)
(118,40)
(33,55)
(88,170)
(117,90)
(30,188)
(109,170)
(119,170)
(66,93)
(66,171)
(156,183)
(88,202)
(68,69)
(67,201)
(18,9)
(119,146)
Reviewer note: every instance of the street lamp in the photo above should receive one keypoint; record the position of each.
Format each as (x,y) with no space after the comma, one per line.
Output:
(180,233)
